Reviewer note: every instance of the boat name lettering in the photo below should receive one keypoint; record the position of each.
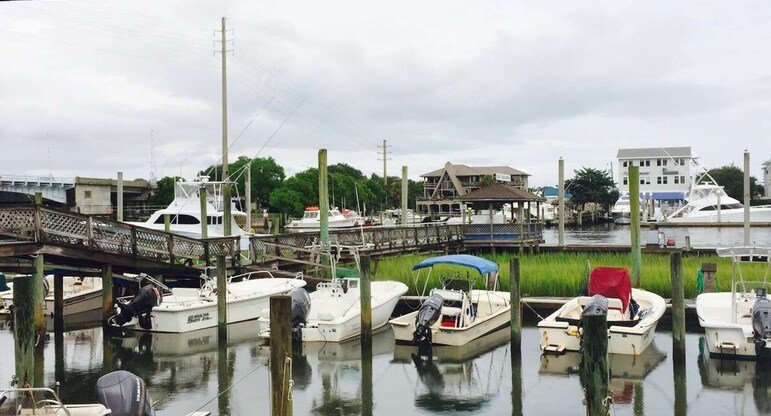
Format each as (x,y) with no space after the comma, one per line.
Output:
(198,317)
(139,390)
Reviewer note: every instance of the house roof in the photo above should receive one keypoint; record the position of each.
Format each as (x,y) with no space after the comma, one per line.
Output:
(655,152)
(500,192)
(463,170)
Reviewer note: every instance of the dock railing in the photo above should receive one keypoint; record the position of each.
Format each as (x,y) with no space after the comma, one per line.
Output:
(63,228)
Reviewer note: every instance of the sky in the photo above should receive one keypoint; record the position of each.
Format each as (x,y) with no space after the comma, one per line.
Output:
(91,88)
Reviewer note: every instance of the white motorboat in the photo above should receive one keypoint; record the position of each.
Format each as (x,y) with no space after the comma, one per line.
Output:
(393,217)
(708,203)
(311,220)
(738,323)
(185,212)
(46,403)
(630,328)
(158,308)
(621,209)
(455,316)
(81,294)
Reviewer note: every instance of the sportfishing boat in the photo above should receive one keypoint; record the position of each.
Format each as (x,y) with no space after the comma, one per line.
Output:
(620,210)
(185,212)
(311,220)
(738,323)
(708,203)
(455,314)
(632,315)
(158,308)
(81,294)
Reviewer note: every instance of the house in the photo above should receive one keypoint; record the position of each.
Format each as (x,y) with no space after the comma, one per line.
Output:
(443,187)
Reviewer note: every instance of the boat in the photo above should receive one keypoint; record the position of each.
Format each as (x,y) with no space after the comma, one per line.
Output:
(81,294)
(455,314)
(332,313)
(738,323)
(632,315)
(620,210)
(185,212)
(161,309)
(393,217)
(311,220)
(708,203)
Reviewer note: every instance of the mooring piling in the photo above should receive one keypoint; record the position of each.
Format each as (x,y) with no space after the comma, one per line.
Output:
(280,355)
(678,307)
(405,187)
(29,322)
(107,301)
(595,376)
(323,201)
(365,296)
(561,198)
(516,381)
(222,300)
(516,308)
(634,217)
(204,215)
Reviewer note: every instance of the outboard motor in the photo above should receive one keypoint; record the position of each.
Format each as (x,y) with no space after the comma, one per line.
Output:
(139,306)
(301,305)
(598,305)
(428,313)
(125,394)
(761,321)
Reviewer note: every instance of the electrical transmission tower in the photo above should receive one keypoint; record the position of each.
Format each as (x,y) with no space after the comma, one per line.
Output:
(385,159)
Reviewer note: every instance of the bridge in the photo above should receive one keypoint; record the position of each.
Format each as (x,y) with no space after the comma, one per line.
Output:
(15,188)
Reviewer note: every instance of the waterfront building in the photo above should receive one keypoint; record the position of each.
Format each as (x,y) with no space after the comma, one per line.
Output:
(665,176)
(767,179)
(443,187)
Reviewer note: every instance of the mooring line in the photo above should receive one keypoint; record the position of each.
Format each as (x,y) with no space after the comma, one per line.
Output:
(531,308)
(230,387)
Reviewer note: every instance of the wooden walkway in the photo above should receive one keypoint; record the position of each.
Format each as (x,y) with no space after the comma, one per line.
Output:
(78,240)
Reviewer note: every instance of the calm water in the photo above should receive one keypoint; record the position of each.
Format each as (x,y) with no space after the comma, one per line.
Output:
(187,371)
(700,237)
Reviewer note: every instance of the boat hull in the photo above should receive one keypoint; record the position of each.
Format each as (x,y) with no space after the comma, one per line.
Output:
(725,336)
(404,326)
(79,295)
(559,335)
(757,215)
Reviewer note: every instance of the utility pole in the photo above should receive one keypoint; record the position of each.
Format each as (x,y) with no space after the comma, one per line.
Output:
(385,159)
(226,199)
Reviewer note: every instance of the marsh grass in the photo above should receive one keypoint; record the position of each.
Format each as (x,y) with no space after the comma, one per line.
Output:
(562,274)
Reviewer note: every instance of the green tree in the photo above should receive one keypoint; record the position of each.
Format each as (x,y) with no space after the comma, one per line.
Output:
(286,201)
(487,180)
(266,175)
(731,178)
(592,185)
(163,194)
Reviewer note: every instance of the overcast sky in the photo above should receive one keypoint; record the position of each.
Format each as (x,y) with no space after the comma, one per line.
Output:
(83,84)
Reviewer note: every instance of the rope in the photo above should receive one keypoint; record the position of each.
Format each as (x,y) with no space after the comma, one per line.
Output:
(287,383)
(229,387)
(531,308)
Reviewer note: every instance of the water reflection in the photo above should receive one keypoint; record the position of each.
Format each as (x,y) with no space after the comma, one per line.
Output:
(455,378)
(612,234)
(753,378)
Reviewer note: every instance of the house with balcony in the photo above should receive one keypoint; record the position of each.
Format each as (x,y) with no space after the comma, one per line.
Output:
(443,187)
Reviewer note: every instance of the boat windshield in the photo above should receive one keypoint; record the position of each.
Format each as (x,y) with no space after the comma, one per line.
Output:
(311,214)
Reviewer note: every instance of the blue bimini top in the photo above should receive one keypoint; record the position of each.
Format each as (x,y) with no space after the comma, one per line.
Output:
(483,266)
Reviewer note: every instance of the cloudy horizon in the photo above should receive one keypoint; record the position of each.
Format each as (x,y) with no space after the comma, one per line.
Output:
(87,86)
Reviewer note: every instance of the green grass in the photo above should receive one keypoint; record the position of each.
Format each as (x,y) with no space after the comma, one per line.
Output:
(562,274)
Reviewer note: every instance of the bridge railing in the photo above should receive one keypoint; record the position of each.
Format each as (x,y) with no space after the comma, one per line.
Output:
(296,247)
(503,232)
(46,225)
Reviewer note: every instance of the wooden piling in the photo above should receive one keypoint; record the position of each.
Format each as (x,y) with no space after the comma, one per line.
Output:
(516,308)
(405,185)
(747,196)
(222,300)
(323,200)
(561,198)
(634,216)
(594,362)
(248,196)
(119,210)
(204,214)
(678,306)
(365,296)
(58,312)
(107,300)
(516,381)
(29,323)
(167,222)
(280,353)
(227,214)
(38,198)
(681,387)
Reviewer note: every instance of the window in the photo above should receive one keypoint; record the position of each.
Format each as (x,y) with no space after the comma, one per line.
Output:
(88,194)
(664,180)
(682,179)
(677,179)
(626,181)
(658,180)
(647,163)
(664,162)
(642,181)
(658,162)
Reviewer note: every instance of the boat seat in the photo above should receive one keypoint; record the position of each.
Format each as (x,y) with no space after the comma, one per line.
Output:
(451,311)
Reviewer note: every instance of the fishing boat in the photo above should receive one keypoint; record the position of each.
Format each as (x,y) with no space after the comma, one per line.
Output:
(632,315)
(161,309)
(184,212)
(738,323)
(81,294)
(620,210)
(311,220)
(455,314)
(708,203)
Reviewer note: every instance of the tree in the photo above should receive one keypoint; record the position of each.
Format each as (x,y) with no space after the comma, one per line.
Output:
(731,178)
(592,185)
(487,180)
(266,175)
(286,201)
(164,192)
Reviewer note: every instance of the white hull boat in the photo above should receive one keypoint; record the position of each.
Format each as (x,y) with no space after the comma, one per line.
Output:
(80,295)
(335,310)
(627,334)
(311,220)
(455,317)
(708,203)
(733,322)
(189,309)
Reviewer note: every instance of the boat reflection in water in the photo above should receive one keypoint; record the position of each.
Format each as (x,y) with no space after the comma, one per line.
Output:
(750,377)
(456,378)
(626,371)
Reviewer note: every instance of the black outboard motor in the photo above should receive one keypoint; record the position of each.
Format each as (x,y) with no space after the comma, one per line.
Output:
(124,394)
(598,305)
(301,305)
(428,313)
(761,322)
(139,306)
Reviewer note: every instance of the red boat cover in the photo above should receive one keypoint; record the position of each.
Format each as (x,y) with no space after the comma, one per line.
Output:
(611,282)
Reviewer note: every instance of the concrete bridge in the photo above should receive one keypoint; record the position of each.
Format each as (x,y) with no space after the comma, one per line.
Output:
(20,188)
